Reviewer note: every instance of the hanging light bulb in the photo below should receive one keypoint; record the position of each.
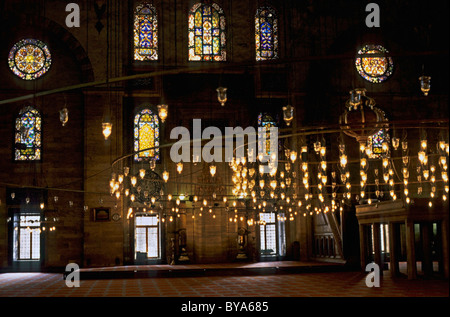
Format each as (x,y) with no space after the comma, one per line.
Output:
(395,142)
(425,84)
(343,160)
(288,114)
(133,180)
(166,176)
(142,173)
(163,111)
(222,95)
(64,116)
(363,162)
(293,156)
(423,144)
(179,167)
(212,170)
(107,129)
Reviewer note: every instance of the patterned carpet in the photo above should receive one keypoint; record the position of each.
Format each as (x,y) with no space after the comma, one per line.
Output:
(324,284)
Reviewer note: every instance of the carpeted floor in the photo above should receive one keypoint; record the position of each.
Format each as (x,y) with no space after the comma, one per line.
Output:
(329,284)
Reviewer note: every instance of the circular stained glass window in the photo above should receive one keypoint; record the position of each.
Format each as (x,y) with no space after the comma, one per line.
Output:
(29,59)
(373,63)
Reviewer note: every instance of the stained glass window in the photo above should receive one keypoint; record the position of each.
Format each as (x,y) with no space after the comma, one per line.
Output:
(28,135)
(266,121)
(266,34)
(206,36)
(145,33)
(146,135)
(29,59)
(373,64)
(375,143)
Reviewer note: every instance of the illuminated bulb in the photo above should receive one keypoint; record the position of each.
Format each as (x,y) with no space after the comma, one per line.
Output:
(430,204)
(42,205)
(385,162)
(127,192)
(133,181)
(212,170)
(421,156)
(107,129)
(323,150)
(117,195)
(446,188)
(178,201)
(406,191)
(386,177)
(304,167)
(426,174)
(142,173)
(444,197)
(362,148)
(385,146)
(293,156)
(179,167)
(323,165)
(324,180)
(205,202)
(166,176)
(163,112)
(261,183)
(423,144)
(273,184)
(363,162)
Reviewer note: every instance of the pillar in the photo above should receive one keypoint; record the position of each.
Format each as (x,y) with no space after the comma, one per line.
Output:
(445,247)
(410,251)
(393,243)
(377,246)
(363,246)
(427,262)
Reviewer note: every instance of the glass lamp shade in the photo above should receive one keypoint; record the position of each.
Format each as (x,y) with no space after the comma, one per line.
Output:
(163,111)
(222,95)
(107,129)
(64,116)
(288,114)
(355,96)
(212,170)
(425,84)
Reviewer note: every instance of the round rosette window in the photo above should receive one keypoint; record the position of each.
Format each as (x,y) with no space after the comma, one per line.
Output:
(374,64)
(29,59)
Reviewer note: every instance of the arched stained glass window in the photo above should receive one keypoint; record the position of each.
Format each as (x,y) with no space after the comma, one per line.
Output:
(373,64)
(266,34)
(28,135)
(266,121)
(375,144)
(29,59)
(145,33)
(146,135)
(206,36)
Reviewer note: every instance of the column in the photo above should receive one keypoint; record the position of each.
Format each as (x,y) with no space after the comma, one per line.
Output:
(377,246)
(445,247)
(363,246)
(427,262)
(393,242)
(410,251)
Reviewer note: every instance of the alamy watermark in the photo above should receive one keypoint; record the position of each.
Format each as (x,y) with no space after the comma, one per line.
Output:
(373,278)
(72,275)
